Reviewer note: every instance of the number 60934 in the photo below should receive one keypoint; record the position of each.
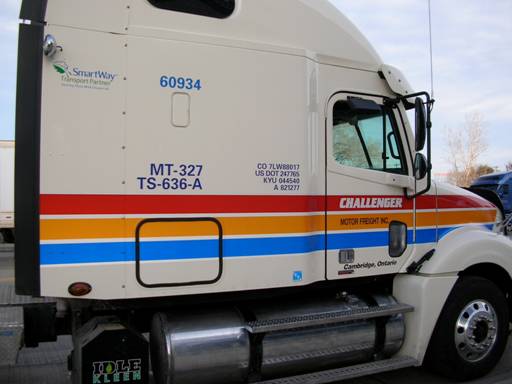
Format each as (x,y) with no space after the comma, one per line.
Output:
(180,83)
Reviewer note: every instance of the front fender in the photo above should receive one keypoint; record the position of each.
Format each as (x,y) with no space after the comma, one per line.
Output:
(468,246)
(428,290)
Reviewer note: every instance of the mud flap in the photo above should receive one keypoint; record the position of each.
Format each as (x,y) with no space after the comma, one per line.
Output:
(106,351)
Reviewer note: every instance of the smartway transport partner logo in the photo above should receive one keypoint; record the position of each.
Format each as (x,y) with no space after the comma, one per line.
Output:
(78,77)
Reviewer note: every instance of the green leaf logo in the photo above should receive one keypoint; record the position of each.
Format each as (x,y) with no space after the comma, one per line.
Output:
(59,69)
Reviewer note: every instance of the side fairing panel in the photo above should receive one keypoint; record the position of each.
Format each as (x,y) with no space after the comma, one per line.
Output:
(184,168)
(83,121)
(82,140)
(241,160)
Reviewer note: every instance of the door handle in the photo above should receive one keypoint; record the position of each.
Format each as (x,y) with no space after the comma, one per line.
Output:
(346,256)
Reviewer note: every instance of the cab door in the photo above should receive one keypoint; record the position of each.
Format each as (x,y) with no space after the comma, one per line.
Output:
(370,221)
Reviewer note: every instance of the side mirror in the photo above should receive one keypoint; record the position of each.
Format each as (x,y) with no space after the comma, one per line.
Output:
(421,124)
(420,166)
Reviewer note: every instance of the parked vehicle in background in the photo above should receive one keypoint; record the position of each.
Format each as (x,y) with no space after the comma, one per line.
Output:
(501,184)
(7,191)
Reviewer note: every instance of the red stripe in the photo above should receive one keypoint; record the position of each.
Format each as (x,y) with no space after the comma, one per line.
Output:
(452,202)
(161,204)
(466,201)
(184,204)
(426,202)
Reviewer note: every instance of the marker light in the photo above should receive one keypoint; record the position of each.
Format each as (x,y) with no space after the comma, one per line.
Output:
(79,289)
(397,238)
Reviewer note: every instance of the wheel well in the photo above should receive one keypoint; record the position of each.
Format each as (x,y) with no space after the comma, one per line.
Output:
(494,273)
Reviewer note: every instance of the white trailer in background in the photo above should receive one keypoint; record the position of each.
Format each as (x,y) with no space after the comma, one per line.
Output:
(6,191)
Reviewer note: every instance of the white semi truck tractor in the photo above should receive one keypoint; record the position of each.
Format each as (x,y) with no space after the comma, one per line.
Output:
(232,189)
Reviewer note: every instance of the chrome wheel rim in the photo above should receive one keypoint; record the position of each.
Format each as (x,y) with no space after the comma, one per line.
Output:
(476,331)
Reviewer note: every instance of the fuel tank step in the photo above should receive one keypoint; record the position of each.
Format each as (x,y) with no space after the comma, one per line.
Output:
(265,326)
(351,372)
(303,338)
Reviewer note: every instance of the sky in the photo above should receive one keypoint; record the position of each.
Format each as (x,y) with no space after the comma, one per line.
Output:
(472,55)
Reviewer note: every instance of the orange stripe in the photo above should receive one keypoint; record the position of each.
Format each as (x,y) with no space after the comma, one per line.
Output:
(68,229)
(428,219)
(467,217)
(117,228)
(366,221)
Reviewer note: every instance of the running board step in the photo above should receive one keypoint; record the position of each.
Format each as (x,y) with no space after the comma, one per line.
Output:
(273,325)
(351,372)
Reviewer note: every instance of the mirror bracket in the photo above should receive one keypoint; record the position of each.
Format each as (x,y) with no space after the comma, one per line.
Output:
(430,105)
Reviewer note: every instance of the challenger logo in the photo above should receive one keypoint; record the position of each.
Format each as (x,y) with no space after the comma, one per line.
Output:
(370,202)
(84,78)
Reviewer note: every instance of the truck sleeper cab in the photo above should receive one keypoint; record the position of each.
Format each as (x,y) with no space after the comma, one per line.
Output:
(249,191)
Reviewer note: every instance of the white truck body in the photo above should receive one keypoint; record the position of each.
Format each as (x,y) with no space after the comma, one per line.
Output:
(180,155)
(270,92)
(6,185)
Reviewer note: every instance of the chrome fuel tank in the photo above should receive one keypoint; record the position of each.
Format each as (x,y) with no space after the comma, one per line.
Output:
(197,347)
(211,347)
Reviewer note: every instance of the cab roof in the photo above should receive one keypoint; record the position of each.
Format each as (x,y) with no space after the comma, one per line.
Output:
(313,27)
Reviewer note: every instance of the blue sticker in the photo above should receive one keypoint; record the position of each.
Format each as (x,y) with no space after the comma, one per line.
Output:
(297,276)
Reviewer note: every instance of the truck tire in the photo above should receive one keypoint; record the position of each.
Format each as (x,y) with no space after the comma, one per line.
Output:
(471,334)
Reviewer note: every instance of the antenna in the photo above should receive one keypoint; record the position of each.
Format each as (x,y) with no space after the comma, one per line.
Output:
(431,59)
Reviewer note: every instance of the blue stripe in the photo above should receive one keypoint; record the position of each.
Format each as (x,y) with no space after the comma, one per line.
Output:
(207,249)
(177,250)
(444,231)
(204,249)
(424,236)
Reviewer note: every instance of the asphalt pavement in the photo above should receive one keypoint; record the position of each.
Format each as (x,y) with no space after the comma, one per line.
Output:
(47,364)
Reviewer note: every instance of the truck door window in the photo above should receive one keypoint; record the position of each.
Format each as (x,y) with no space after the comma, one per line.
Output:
(219,9)
(366,140)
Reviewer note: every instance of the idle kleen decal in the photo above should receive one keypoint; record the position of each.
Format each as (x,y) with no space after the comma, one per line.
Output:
(119,371)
